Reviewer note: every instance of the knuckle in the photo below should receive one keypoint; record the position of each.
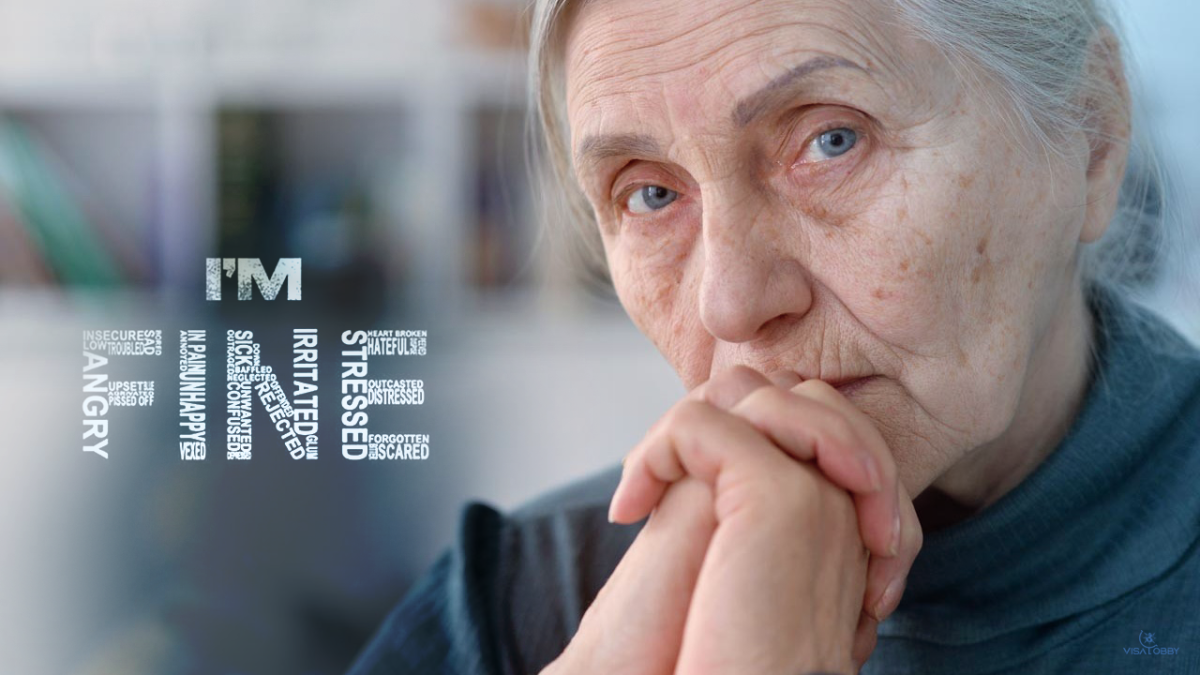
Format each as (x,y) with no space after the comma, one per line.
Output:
(764,397)
(841,433)
(731,383)
(741,373)
(685,415)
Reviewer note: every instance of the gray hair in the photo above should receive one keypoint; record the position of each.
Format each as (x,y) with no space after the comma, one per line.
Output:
(1037,51)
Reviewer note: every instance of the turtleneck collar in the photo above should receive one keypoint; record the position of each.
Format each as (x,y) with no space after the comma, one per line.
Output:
(1116,505)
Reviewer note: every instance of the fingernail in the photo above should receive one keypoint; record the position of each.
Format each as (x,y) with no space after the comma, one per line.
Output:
(894,546)
(890,599)
(612,507)
(612,503)
(872,469)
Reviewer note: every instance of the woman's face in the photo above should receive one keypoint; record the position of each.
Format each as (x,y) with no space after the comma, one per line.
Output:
(799,185)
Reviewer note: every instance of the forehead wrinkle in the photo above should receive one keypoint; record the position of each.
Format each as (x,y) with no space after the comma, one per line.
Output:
(597,55)
(613,75)
(604,42)
(607,84)
(597,76)
(597,147)
(710,24)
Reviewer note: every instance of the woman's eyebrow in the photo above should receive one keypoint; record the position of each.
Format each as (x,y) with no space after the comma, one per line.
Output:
(782,88)
(595,149)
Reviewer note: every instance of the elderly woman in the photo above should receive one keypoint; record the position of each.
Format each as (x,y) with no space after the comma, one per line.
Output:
(861,231)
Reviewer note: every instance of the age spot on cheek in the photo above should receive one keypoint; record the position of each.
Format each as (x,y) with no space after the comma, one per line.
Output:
(982,269)
(984,266)
(826,216)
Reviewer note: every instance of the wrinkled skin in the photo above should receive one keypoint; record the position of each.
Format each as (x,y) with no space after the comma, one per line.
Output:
(802,187)
(934,254)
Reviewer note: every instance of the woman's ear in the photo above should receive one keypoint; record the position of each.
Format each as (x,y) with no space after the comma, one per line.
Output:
(1106,108)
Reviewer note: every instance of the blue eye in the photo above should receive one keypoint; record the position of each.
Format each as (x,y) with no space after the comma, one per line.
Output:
(650,198)
(836,142)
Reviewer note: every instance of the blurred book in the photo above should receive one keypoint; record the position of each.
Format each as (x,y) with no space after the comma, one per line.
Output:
(21,263)
(59,240)
(295,183)
(247,184)
(501,241)
(495,26)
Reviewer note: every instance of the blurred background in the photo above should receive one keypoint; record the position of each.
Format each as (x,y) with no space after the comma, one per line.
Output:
(381,141)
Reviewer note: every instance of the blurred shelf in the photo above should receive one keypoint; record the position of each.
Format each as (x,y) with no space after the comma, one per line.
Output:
(404,109)
(466,78)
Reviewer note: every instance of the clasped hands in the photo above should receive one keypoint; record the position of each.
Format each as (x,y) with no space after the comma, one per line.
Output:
(779,536)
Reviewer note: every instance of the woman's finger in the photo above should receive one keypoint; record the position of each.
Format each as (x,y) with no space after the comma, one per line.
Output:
(727,388)
(730,387)
(635,625)
(781,586)
(694,439)
(804,428)
(722,390)
(865,637)
(811,430)
(877,507)
(886,576)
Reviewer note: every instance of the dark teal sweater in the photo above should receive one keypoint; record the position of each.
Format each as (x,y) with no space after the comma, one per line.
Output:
(1071,570)
(1091,565)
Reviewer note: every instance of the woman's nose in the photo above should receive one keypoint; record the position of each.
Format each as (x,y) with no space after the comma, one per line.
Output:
(752,276)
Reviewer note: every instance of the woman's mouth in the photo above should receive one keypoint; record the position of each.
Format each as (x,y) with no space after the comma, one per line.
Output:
(848,387)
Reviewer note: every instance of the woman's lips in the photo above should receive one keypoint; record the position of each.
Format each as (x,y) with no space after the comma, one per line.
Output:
(852,385)
(846,385)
